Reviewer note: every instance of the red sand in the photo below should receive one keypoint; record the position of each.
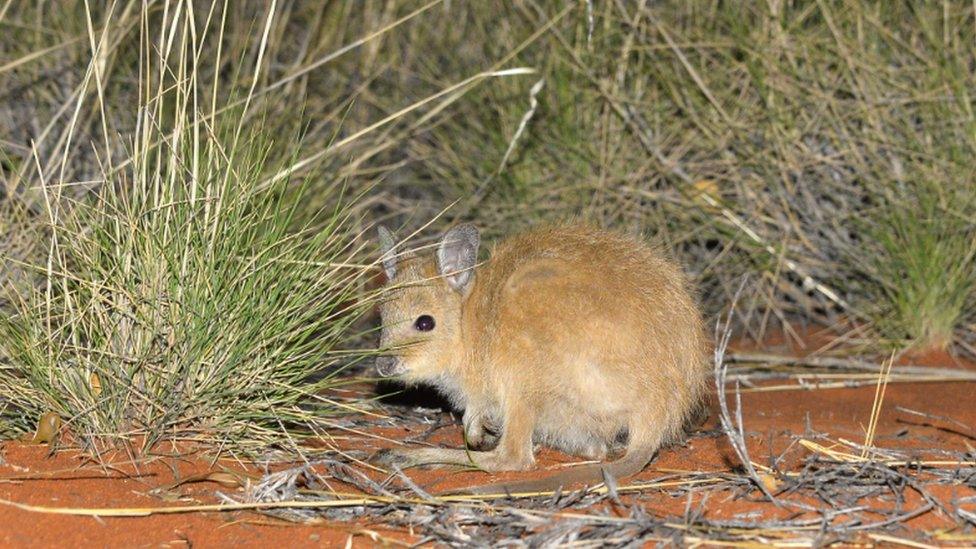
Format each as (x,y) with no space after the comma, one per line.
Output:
(29,475)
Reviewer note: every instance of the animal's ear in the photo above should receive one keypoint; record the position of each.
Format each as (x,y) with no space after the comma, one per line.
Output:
(457,255)
(387,243)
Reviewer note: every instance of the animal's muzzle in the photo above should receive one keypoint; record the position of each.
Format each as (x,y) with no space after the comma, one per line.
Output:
(388,366)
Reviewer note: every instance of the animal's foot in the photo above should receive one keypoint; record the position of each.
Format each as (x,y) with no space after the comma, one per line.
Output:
(420,457)
(402,459)
(495,463)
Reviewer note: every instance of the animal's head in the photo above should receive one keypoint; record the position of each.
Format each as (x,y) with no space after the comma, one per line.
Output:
(421,314)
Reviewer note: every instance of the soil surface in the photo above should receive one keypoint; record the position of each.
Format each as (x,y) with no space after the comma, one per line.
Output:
(933,420)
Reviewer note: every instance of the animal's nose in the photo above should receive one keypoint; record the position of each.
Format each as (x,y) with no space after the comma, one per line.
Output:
(387,365)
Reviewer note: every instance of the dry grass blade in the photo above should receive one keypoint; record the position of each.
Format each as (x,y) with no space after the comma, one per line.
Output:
(734,431)
(856,458)
(451,93)
(879,394)
(900,541)
(215,508)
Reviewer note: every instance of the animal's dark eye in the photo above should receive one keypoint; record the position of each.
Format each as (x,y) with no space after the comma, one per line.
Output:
(424,323)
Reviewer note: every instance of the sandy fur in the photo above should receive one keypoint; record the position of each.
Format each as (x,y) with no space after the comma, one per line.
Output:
(568,336)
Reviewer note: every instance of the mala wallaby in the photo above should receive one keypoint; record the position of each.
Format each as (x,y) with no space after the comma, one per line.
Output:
(576,338)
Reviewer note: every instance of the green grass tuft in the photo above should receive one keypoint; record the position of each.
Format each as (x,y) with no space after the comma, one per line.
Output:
(921,261)
(182,297)
(179,303)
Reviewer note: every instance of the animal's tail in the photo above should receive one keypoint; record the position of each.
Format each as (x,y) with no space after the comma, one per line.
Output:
(643,444)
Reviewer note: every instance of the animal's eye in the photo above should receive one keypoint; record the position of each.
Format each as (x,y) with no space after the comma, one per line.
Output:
(424,323)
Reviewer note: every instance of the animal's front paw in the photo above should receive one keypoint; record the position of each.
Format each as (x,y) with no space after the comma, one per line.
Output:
(480,437)
(481,432)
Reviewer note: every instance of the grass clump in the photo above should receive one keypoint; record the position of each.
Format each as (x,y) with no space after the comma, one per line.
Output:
(921,263)
(181,297)
(178,302)
(181,306)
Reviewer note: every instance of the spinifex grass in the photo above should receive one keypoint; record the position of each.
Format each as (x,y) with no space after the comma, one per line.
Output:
(182,299)
(174,304)
(922,262)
